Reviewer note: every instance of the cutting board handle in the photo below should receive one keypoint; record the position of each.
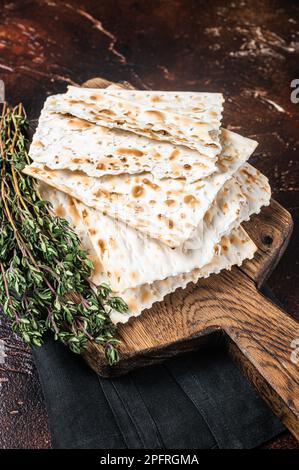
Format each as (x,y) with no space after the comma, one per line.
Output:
(264,341)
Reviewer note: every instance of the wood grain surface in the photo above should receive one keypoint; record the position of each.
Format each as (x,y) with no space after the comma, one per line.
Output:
(249,50)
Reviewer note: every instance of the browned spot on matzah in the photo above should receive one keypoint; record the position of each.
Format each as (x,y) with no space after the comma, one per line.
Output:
(150,184)
(158,115)
(145,294)
(207,218)
(189,199)
(132,304)
(108,112)
(38,143)
(169,202)
(101,166)
(102,192)
(101,244)
(80,160)
(212,146)
(174,154)
(79,123)
(60,211)
(113,243)
(79,173)
(73,212)
(155,98)
(97,265)
(134,275)
(137,191)
(249,177)
(129,151)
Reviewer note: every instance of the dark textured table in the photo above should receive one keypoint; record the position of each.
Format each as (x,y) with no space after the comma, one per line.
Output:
(249,50)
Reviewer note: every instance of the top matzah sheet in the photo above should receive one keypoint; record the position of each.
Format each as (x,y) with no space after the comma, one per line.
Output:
(102,107)
(67,142)
(194,104)
(168,210)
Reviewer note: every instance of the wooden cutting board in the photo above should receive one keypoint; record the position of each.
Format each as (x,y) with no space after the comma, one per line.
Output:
(259,335)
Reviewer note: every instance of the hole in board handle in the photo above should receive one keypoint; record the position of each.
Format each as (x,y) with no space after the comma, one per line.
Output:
(267,240)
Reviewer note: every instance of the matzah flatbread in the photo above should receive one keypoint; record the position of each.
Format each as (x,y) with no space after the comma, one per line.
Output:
(232,250)
(168,210)
(195,104)
(66,142)
(254,193)
(126,255)
(101,107)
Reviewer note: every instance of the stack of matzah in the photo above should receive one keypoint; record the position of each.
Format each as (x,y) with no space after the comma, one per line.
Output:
(154,187)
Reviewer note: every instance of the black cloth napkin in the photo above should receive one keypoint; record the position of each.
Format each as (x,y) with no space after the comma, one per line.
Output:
(196,401)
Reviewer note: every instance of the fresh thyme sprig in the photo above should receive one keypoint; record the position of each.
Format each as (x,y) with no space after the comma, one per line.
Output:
(43,270)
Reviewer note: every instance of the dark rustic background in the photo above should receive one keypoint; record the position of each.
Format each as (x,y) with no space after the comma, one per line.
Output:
(249,50)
